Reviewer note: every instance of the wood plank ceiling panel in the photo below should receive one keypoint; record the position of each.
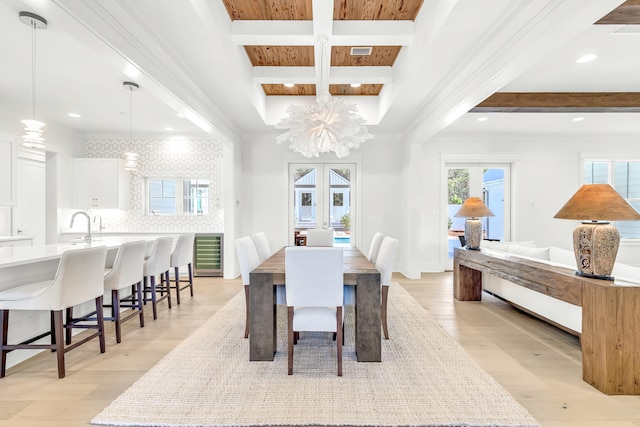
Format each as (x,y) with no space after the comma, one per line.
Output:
(383,10)
(303,56)
(280,10)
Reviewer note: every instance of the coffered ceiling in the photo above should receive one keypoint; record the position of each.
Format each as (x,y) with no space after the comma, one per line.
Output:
(223,64)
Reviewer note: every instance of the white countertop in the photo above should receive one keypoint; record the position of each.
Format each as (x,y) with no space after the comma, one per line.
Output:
(14,238)
(19,255)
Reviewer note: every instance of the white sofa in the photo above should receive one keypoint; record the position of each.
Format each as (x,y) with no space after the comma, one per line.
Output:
(563,314)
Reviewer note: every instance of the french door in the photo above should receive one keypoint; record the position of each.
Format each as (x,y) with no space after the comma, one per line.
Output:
(321,195)
(490,182)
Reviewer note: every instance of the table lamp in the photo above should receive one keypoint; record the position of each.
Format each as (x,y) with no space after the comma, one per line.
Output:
(595,240)
(473,209)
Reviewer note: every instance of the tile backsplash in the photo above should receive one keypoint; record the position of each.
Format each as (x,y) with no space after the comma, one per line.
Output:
(164,158)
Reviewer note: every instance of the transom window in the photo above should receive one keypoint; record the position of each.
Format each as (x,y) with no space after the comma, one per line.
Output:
(178,196)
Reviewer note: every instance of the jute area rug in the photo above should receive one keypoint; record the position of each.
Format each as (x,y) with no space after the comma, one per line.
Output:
(425,379)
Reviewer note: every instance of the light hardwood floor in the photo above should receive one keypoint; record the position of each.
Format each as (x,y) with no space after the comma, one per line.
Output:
(537,363)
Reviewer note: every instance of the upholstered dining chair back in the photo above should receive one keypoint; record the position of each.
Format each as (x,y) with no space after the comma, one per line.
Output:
(314,277)
(183,252)
(384,264)
(262,245)
(128,267)
(374,247)
(386,259)
(159,261)
(320,237)
(248,257)
(314,282)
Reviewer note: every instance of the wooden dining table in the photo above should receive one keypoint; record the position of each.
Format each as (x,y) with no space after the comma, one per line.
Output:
(358,271)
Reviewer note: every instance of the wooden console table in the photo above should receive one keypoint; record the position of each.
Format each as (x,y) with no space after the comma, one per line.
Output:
(610,338)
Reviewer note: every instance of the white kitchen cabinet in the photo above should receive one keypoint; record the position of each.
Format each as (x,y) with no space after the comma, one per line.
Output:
(7,170)
(100,184)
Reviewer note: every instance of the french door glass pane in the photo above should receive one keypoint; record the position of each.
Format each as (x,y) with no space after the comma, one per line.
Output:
(304,199)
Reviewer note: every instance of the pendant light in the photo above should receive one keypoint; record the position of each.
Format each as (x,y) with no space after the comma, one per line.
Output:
(33,128)
(130,157)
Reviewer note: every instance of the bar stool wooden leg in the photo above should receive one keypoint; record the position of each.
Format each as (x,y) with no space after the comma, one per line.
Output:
(115,313)
(4,328)
(190,268)
(153,296)
(167,282)
(69,322)
(177,277)
(100,317)
(58,326)
(138,291)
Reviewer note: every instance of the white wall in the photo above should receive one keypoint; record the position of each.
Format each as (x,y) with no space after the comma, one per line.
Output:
(264,203)
(546,174)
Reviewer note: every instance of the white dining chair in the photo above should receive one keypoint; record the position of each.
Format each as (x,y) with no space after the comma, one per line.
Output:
(182,255)
(127,272)
(314,280)
(384,264)
(158,265)
(79,279)
(248,259)
(374,247)
(320,237)
(262,245)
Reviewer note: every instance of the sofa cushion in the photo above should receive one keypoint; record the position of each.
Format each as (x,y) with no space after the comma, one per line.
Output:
(562,257)
(538,253)
(504,246)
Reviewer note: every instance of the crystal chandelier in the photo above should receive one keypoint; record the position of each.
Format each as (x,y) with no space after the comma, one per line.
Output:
(331,124)
(33,128)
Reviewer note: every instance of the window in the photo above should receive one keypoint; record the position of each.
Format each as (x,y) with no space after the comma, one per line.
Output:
(178,196)
(624,176)
(195,193)
(338,199)
(306,199)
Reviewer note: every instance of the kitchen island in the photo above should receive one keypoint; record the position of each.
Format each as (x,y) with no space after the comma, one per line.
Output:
(24,264)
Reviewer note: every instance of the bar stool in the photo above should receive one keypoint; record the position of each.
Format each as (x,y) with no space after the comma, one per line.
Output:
(158,264)
(79,278)
(127,270)
(183,255)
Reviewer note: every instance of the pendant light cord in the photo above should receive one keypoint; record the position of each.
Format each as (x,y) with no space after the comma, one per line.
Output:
(33,69)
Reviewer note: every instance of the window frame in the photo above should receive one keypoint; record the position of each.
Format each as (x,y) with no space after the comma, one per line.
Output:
(179,197)
(611,162)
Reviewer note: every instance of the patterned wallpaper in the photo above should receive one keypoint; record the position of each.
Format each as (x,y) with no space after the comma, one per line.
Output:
(164,158)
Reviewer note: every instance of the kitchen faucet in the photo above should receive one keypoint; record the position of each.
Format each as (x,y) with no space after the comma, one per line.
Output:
(87,238)
(100,227)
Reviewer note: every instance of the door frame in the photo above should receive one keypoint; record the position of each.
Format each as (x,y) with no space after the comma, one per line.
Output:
(483,160)
(356,187)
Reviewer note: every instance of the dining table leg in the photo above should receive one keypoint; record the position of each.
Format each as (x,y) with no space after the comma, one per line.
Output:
(262,319)
(368,335)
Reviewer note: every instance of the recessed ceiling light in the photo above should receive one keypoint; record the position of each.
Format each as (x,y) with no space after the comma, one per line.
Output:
(355,85)
(74,115)
(289,85)
(577,119)
(586,58)
(168,128)
(482,119)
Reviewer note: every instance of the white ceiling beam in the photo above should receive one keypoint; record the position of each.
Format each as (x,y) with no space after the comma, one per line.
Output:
(273,33)
(364,75)
(372,33)
(322,30)
(338,75)
(339,33)
(282,75)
